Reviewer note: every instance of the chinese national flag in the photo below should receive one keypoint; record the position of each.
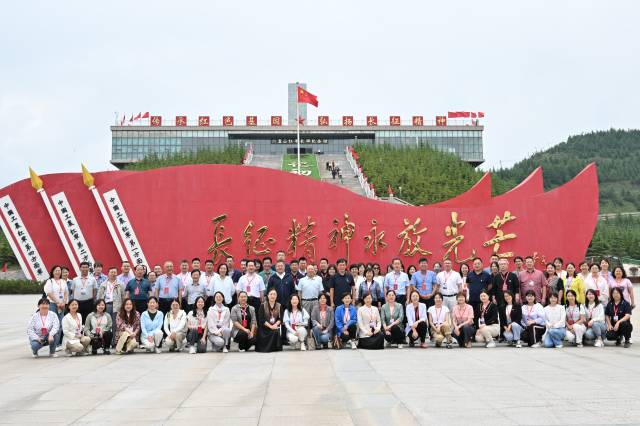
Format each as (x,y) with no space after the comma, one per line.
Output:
(474,115)
(4,268)
(139,116)
(464,114)
(481,114)
(452,114)
(145,115)
(305,97)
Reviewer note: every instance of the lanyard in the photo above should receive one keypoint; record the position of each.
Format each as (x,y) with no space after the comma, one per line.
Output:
(438,312)
(78,322)
(530,309)
(43,320)
(615,310)
(59,284)
(508,310)
(460,318)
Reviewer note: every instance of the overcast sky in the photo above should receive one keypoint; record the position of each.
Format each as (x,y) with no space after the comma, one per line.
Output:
(540,70)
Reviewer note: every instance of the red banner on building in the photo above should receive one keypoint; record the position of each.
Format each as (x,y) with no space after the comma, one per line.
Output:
(251,120)
(276,120)
(417,120)
(441,120)
(347,120)
(227,120)
(372,120)
(323,120)
(181,120)
(203,120)
(156,121)
(394,120)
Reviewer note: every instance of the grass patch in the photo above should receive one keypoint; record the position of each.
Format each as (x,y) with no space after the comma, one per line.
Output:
(308,165)
(20,287)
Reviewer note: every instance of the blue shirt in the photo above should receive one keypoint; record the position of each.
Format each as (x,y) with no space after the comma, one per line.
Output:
(100,278)
(397,282)
(424,283)
(168,288)
(476,284)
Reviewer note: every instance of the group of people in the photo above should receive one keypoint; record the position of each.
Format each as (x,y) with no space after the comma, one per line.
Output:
(267,304)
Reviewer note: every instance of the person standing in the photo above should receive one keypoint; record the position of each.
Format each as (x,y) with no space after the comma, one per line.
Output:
(424,282)
(283,283)
(532,279)
(233,273)
(597,282)
(57,293)
(398,281)
(370,286)
(84,289)
(621,281)
(252,284)
(574,282)
(267,269)
(139,290)
(342,282)
(97,273)
(112,292)
(207,279)
(168,287)
(126,274)
(42,329)
(505,281)
(309,288)
(450,284)
(194,289)
(477,281)
(224,284)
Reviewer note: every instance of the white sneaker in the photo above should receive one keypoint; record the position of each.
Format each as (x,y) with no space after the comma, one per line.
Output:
(225,350)
(34,354)
(158,350)
(599,343)
(536,345)
(491,344)
(559,346)
(353,345)
(579,345)
(58,348)
(303,347)
(400,346)
(241,350)
(630,340)
(53,355)
(192,350)
(518,344)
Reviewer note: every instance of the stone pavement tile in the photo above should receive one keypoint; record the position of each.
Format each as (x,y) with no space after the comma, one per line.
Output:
(127,413)
(165,396)
(379,400)
(214,414)
(394,415)
(461,418)
(358,376)
(51,405)
(366,387)
(303,395)
(60,416)
(214,395)
(292,408)
(232,421)
(328,419)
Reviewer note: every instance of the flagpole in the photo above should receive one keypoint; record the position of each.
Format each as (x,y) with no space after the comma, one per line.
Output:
(298,127)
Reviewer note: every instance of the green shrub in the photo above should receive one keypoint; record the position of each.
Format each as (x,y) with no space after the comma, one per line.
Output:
(227,155)
(20,287)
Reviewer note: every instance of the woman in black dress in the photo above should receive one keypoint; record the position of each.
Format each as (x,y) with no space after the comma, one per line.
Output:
(269,321)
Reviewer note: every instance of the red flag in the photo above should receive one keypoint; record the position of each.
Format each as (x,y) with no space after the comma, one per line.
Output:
(4,268)
(481,114)
(464,114)
(145,115)
(305,97)
(452,114)
(139,116)
(474,115)
(131,119)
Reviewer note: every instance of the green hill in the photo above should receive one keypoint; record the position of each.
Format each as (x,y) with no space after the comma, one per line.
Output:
(227,155)
(617,154)
(425,175)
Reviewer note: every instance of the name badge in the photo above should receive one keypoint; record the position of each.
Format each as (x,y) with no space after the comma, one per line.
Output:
(395,286)
(531,283)
(200,330)
(444,286)
(98,330)
(615,318)
(272,320)
(248,288)
(44,331)
(136,291)
(83,291)
(481,321)
(165,290)
(424,286)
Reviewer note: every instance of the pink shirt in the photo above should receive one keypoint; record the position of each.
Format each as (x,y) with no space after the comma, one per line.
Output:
(461,315)
(535,281)
(625,285)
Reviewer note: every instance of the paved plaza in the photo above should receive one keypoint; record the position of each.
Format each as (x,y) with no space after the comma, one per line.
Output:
(394,386)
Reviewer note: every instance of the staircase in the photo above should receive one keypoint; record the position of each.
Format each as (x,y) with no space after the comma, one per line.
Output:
(349,181)
(269,161)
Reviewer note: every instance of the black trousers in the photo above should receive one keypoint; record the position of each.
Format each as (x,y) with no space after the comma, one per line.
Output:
(422,333)
(466,334)
(243,341)
(164,305)
(353,333)
(141,306)
(532,334)
(85,307)
(103,341)
(624,330)
(255,302)
(375,341)
(396,336)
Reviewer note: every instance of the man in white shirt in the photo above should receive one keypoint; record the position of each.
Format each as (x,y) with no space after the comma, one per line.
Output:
(397,281)
(450,283)
(309,288)
(207,277)
(253,285)
(84,289)
(185,280)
